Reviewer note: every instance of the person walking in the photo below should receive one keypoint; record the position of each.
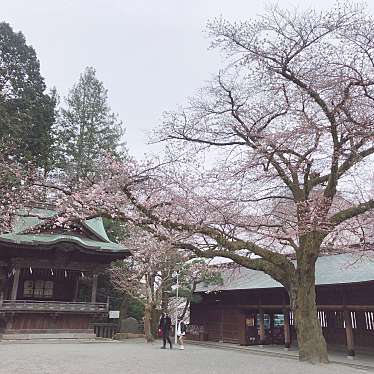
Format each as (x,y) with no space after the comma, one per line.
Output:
(181,332)
(164,327)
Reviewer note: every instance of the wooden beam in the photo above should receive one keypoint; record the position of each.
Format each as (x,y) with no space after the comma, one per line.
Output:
(264,307)
(15,284)
(366,308)
(58,263)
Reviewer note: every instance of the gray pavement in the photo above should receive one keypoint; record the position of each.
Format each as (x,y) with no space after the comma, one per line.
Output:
(362,360)
(135,356)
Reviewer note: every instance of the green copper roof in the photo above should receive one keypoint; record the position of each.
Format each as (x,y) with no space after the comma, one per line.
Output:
(333,269)
(96,226)
(50,239)
(25,223)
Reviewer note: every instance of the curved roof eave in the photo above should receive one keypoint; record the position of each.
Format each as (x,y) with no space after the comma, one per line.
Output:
(50,240)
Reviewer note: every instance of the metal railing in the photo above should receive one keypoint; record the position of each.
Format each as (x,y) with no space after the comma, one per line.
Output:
(52,306)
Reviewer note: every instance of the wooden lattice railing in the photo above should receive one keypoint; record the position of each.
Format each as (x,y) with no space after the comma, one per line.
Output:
(52,306)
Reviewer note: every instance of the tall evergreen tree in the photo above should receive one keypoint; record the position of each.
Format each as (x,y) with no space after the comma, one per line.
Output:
(87,128)
(27,113)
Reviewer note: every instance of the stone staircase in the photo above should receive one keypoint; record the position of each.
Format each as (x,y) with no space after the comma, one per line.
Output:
(19,335)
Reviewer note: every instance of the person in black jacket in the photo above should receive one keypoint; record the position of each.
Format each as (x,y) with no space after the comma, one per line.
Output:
(165,324)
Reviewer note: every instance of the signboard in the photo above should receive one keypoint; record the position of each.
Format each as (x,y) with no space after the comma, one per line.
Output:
(250,322)
(114,314)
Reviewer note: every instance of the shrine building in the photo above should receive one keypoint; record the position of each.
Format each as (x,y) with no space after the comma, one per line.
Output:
(48,281)
(251,308)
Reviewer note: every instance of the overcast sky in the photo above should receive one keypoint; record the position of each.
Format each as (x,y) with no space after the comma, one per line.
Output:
(150,54)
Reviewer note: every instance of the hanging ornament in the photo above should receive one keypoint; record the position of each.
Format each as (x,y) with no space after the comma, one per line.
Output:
(30,270)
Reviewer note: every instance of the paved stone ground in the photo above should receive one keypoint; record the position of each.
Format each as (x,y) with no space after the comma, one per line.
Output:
(362,360)
(135,356)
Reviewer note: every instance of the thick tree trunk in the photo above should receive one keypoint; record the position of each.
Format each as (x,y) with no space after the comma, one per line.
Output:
(165,300)
(148,323)
(155,320)
(124,307)
(165,291)
(186,307)
(312,344)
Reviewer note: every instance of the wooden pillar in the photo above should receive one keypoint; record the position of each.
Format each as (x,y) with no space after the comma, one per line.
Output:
(242,328)
(221,327)
(15,284)
(287,333)
(271,331)
(349,333)
(262,326)
(76,289)
(94,288)
(9,322)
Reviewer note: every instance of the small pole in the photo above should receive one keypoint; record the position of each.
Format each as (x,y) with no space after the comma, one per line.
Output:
(176,313)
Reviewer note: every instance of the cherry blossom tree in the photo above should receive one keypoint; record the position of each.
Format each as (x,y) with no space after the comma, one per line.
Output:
(269,163)
(17,188)
(288,127)
(146,274)
(191,274)
(149,275)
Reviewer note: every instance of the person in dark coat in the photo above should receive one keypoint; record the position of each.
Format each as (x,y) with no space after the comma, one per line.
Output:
(165,325)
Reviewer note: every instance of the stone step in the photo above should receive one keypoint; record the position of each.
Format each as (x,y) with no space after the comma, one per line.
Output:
(43,335)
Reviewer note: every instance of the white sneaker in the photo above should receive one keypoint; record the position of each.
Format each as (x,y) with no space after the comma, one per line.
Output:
(181,347)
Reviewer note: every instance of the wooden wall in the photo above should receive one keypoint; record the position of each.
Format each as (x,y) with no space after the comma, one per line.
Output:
(48,322)
(220,323)
(221,315)
(63,284)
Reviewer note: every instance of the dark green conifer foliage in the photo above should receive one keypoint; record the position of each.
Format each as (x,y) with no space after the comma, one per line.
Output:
(87,127)
(27,113)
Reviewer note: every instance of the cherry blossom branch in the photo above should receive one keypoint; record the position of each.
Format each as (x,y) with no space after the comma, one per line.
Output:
(352,212)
